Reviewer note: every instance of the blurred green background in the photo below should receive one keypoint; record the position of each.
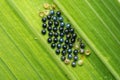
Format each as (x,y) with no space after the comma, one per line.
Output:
(26,55)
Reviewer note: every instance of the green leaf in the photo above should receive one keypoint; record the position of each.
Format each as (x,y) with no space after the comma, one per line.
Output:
(26,55)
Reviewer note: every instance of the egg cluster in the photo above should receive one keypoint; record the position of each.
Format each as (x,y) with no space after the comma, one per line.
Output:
(62,37)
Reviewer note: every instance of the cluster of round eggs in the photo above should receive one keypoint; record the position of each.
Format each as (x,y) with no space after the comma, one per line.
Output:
(62,37)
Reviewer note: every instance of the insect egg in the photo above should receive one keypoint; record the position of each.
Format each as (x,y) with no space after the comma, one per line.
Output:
(70,56)
(43,31)
(64,47)
(82,45)
(61,29)
(50,34)
(41,14)
(66,31)
(69,51)
(49,28)
(44,25)
(80,62)
(54,18)
(56,34)
(72,40)
(53,6)
(74,35)
(53,45)
(61,40)
(62,24)
(58,45)
(75,58)
(71,30)
(63,52)
(73,64)
(46,12)
(70,45)
(57,51)
(46,5)
(49,40)
(48,17)
(67,61)
(58,13)
(68,36)
(76,46)
(55,40)
(82,51)
(63,58)
(60,19)
(44,19)
(61,34)
(51,12)
(56,23)
(87,52)
(75,52)
(68,25)
(66,41)
(50,22)
(55,29)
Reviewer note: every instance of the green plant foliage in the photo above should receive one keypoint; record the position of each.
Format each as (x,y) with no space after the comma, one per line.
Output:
(26,55)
